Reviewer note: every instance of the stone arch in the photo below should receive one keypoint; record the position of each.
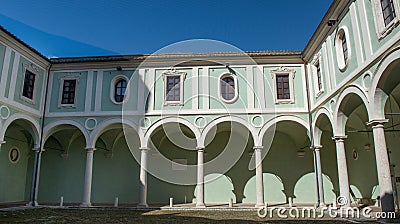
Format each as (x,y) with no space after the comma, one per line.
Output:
(277,119)
(54,127)
(105,125)
(317,131)
(215,122)
(163,121)
(376,94)
(340,116)
(34,126)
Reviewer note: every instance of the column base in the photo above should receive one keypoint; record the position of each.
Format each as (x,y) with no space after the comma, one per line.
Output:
(35,203)
(200,205)
(86,205)
(258,205)
(143,205)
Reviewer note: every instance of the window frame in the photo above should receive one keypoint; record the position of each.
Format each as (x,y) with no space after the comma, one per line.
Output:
(113,84)
(236,87)
(342,61)
(291,75)
(34,91)
(382,30)
(318,80)
(61,90)
(182,77)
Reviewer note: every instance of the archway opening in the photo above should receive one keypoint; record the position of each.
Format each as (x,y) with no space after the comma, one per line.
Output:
(16,162)
(171,164)
(360,155)
(288,159)
(323,134)
(228,160)
(115,170)
(62,171)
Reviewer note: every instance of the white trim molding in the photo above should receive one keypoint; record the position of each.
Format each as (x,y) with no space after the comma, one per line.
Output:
(315,62)
(34,70)
(290,73)
(381,29)
(182,77)
(236,87)
(112,88)
(342,62)
(69,76)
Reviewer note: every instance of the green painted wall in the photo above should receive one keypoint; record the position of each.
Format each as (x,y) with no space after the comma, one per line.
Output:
(39,85)
(81,93)
(62,176)
(2,54)
(15,177)
(117,176)
(108,76)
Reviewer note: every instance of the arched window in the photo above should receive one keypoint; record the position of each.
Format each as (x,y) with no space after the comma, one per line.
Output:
(119,91)
(228,88)
(343,50)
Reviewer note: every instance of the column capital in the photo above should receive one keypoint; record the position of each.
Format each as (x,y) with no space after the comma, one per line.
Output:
(317,147)
(377,122)
(2,142)
(91,149)
(258,147)
(144,148)
(37,149)
(200,148)
(339,138)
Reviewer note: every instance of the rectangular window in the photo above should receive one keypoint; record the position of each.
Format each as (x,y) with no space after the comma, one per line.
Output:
(283,89)
(319,79)
(173,88)
(68,92)
(388,11)
(29,85)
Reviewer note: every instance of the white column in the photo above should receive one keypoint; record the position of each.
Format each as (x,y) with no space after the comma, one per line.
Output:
(318,171)
(383,166)
(200,177)
(342,169)
(38,152)
(143,177)
(87,188)
(259,176)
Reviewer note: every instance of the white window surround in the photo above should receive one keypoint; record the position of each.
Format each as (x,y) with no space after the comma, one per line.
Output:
(32,68)
(224,75)
(314,62)
(381,29)
(112,88)
(283,71)
(342,63)
(181,90)
(70,76)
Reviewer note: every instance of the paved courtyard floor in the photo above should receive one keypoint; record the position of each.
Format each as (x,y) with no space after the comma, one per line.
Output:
(123,215)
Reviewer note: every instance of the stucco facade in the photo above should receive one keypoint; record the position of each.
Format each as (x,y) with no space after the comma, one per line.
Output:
(303,126)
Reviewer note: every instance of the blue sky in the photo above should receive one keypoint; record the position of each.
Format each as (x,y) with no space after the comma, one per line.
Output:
(100,27)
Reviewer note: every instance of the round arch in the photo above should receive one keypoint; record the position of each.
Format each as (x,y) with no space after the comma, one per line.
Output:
(377,96)
(275,120)
(339,118)
(215,122)
(161,122)
(105,125)
(35,127)
(53,127)
(317,132)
